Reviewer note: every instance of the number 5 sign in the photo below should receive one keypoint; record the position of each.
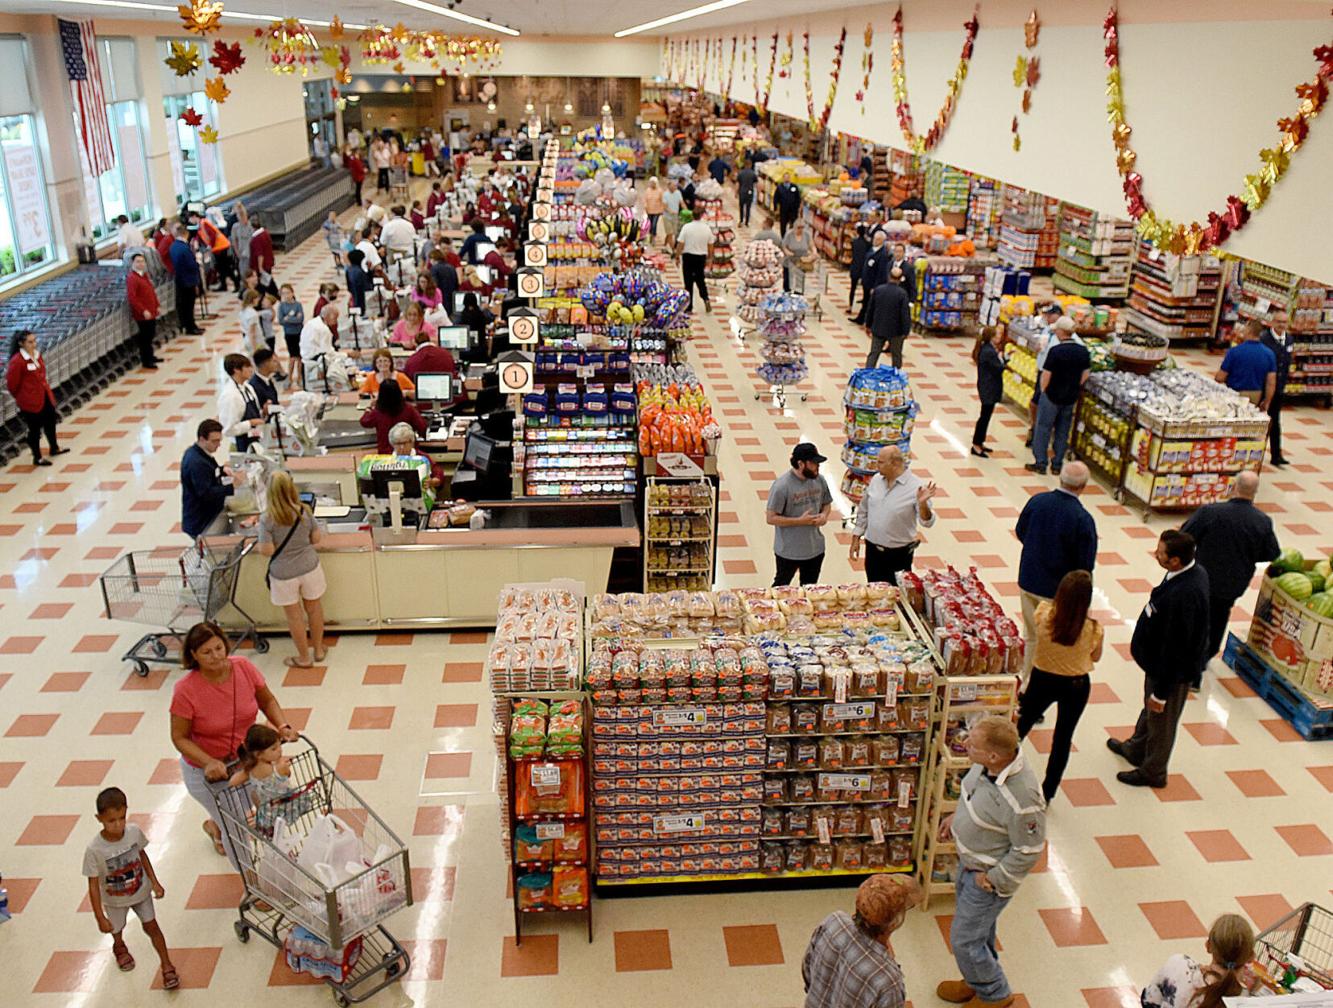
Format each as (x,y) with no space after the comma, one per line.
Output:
(25,183)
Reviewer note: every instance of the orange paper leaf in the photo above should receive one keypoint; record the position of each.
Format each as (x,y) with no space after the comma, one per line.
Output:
(201,16)
(216,89)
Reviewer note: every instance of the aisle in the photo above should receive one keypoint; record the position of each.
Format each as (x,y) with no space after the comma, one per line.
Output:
(1130,876)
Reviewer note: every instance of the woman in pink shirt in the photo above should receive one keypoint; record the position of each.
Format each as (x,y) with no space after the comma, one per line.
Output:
(426,293)
(211,710)
(412,323)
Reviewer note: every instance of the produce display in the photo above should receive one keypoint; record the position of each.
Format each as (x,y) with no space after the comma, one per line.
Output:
(782,325)
(879,411)
(674,413)
(760,275)
(1292,630)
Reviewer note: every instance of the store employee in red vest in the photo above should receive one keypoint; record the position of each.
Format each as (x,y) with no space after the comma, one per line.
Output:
(145,309)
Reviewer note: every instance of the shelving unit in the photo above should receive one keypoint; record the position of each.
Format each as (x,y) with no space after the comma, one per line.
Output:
(949,291)
(1255,290)
(984,206)
(1029,229)
(580,456)
(720,265)
(946,187)
(958,700)
(680,532)
(907,177)
(1095,254)
(878,410)
(1173,296)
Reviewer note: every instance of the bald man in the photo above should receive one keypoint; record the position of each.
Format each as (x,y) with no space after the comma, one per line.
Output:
(895,502)
(1230,538)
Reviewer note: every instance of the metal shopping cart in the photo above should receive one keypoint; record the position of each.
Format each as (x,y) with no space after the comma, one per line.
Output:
(1299,945)
(166,587)
(343,910)
(398,182)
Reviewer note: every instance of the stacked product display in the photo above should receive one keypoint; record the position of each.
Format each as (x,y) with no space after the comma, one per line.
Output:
(680,530)
(947,188)
(1256,290)
(759,276)
(907,178)
(1096,252)
(1029,229)
(949,293)
(878,411)
(579,440)
(984,207)
(1173,296)
(1026,336)
(782,326)
(833,212)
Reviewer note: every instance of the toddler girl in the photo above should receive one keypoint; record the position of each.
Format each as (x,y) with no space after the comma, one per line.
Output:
(269,773)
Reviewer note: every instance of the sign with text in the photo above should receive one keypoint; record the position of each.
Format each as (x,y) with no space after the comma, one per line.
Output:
(680,717)
(25,192)
(550,831)
(523,326)
(851,711)
(678,464)
(543,776)
(691,823)
(531,283)
(844,782)
(534,254)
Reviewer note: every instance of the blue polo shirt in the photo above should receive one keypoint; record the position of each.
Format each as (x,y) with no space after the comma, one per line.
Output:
(1248,366)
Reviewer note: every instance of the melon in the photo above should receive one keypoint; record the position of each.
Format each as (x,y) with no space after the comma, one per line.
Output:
(1321,604)
(1295,585)
(1317,581)
(1325,570)
(1290,560)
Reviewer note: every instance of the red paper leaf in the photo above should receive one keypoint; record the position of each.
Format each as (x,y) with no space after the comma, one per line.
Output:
(191,118)
(227,58)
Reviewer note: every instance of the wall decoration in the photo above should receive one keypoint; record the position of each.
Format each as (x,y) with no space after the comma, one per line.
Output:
(768,84)
(731,70)
(867,64)
(201,16)
(1195,237)
(787,55)
(922,143)
(1027,71)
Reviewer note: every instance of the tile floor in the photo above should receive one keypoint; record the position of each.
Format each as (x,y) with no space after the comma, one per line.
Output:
(1130,876)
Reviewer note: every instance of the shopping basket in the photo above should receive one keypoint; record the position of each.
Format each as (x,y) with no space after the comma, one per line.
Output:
(1300,944)
(281,895)
(168,588)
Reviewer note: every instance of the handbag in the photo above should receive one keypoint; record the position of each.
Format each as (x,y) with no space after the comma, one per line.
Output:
(268,571)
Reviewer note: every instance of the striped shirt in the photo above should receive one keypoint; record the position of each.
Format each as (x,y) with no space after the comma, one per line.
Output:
(845,968)
(1000,825)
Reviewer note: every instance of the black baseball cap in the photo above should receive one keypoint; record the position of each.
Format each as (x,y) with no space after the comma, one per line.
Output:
(806,452)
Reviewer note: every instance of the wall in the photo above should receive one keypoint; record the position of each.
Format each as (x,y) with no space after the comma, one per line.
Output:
(1204,86)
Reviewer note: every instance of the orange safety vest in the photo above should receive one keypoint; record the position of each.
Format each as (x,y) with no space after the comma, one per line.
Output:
(217,241)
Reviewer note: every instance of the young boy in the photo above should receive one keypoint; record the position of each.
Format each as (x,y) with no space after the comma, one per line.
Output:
(265,376)
(119,878)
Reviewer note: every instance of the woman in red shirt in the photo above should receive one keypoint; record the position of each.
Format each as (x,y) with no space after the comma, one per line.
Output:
(391,408)
(211,710)
(26,379)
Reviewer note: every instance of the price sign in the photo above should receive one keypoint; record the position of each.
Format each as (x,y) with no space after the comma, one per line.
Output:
(678,464)
(876,830)
(680,717)
(544,776)
(550,831)
(1262,305)
(844,782)
(965,694)
(905,794)
(678,823)
(851,711)
(891,690)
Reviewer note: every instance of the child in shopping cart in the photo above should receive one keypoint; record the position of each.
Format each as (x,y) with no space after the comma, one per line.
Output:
(121,879)
(269,772)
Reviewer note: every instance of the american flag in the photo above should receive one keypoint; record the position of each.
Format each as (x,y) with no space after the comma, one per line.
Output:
(79,44)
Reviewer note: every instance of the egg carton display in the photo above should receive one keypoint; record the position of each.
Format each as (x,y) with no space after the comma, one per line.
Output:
(878,411)
(782,326)
(760,275)
(968,627)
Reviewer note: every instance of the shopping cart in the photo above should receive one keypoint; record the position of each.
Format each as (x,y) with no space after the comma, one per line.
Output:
(166,587)
(1299,945)
(344,912)
(398,182)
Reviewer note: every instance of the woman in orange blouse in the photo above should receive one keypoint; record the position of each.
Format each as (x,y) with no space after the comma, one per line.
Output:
(384,371)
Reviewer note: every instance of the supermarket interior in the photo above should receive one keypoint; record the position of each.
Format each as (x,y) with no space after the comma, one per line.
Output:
(503,501)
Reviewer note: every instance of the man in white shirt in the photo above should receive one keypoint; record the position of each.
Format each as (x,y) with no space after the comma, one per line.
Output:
(694,241)
(317,337)
(895,502)
(128,235)
(239,411)
(380,159)
(375,214)
(398,235)
(1046,338)
(672,202)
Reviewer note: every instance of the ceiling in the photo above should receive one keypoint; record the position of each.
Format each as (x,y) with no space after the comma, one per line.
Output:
(531,17)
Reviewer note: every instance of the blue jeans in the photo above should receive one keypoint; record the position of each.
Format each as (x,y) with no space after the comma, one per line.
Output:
(1051,417)
(973,937)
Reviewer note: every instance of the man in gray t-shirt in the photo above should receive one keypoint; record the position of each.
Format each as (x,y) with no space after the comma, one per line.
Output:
(799,503)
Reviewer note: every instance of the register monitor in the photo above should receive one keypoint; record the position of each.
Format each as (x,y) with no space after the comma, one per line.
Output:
(455,337)
(458,300)
(435,387)
(478,451)
(376,493)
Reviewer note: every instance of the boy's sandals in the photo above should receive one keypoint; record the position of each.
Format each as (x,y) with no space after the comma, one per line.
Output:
(215,835)
(123,958)
(294,662)
(170,981)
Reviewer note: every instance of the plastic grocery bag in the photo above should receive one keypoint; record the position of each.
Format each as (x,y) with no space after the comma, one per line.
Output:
(274,868)
(330,842)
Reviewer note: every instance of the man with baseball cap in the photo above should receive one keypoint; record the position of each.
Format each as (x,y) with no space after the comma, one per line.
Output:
(849,963)
(1050,314)
(799,502)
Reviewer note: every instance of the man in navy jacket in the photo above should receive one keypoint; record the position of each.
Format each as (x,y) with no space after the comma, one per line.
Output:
(1170,644)
(205,485)
(1058,536)
(185,268)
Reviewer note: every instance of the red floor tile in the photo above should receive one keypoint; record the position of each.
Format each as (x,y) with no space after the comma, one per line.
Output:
(1178,788)
(438,820)
(95,644)
(1084,791)
(65,682)
(117,723)
(1265,910)
(72,972)
(194,967)
(298,677)
(1237,687)
(739,567)
(167,771)
(1306,840)
(433,884)
(1281,730)
(1324,775)
(455,715)
(371,718)
(8,771)
(47,830)
(1207,733)
(538,955)
(463,672)
(21,645)
(1111,997)
(31,725)
(383,675)
(753,945)
(1173,919)
(446,765)
(359,768)
(639,951)
(1255,783)
(1218,845)
(1126,851)
(216,892)
(394,640)
(427,958)
(21,890)
(1072,926)
(51,610)
(85,773)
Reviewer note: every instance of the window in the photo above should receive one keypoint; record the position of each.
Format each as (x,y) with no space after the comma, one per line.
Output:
(26,235)
(125,188)
(195,165)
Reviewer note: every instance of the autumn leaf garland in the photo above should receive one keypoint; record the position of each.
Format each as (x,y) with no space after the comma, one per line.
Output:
(922,143)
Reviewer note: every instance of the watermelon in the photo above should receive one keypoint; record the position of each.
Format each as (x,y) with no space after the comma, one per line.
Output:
(1325,570)
(1317,581)
(1321,604)
(1295,585)
(1290,560)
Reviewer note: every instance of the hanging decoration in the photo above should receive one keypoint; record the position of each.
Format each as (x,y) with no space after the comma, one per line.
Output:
(922,143)
(867,64)
(809,88)
(1196,237)
(208,135)
(707,64)
(787,55)
(768,84)
(1027,71)
(754,65)
(731,70)
(202,17)
(292,48)
(191,118)
(227,59)
(184,58)
(821,123)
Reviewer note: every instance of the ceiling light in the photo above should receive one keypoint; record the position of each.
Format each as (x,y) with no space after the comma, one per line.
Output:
(457,16)
(684,15)
(490,106)
(569,107)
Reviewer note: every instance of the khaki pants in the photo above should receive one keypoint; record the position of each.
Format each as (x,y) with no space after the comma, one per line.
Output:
(1030,603)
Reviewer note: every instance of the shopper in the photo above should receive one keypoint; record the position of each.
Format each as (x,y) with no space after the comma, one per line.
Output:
(239,411)
(800,258)
(787,198)
(472,315)
(694,241)
(288,535)
(185,269)
(1183,983)
(1061,381)
(672,204)
(849,962)
(653,206)
(860,249)
(317,341)
(390,408)
(206,485)
(429,358)
(1170,645)
(1050,314)
(745,183)
(1230,537)
(799,504)
(380,159)
(1249,367)
(444,276)
(121,878)
(241,233)
(1058,535)
(252,333)
(874,271)
(719,169)
(898,261)
(144,309)
(264,380)
(26,380)
(1069,643)
(1000,831)
(224,262)
(128,236)
(358,280)
(990,385)
(894,503)
(212,707)
(291,317)
(888,320)
(262,258)
(768,232)
(398,235)
(473,242)
(382,371)
(356,168)
(1278,340)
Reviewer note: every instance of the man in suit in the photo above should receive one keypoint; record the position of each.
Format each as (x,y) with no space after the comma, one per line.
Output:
(788,200)
(1277,339)
(185,268)
(1170,644)
(899,261)
(860,250)
(1230,537)
(888,320)
(1059,535)
(874,271)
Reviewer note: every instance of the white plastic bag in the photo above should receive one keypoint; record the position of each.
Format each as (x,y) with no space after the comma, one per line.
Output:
(330,842)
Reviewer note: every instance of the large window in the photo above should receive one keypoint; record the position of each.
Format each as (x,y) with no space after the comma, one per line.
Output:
(195,165)
(26,241)
(124,189)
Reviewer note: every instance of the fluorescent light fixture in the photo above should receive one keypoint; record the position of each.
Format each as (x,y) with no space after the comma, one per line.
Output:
(171,9)
(684,15)
(457,16)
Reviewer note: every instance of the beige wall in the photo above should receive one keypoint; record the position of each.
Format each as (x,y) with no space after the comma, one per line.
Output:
(1204,85)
